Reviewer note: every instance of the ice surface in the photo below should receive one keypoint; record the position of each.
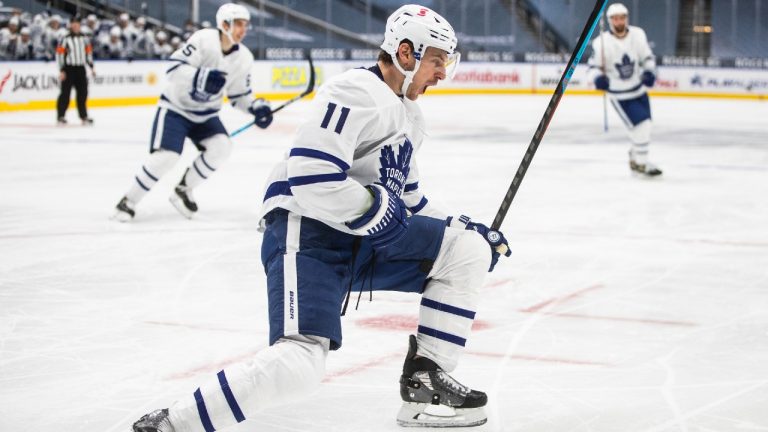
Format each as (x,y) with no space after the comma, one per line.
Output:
(627,305)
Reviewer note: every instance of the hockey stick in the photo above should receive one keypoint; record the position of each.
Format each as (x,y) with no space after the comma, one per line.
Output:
(602,61)
(581,45)
(310,88)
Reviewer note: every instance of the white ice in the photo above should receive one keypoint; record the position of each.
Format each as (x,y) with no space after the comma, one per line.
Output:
(627,305)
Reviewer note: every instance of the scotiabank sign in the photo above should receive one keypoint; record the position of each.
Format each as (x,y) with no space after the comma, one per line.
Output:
(488,77)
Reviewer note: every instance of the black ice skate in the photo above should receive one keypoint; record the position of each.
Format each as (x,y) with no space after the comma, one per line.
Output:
(87,121)
(432,398)
(156,421)
(183,201)
(646,169)
(124,211)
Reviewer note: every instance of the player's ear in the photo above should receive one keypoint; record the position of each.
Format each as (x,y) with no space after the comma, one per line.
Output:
(404,51)
(405,55)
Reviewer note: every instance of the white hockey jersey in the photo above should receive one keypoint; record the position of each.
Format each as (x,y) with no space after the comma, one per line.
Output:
(624,61)
(357,133)
(203,49)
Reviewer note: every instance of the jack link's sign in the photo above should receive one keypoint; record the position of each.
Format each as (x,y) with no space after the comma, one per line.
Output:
(34,81)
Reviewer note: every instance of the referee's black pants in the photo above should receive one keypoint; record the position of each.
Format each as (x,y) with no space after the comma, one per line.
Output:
(75,77)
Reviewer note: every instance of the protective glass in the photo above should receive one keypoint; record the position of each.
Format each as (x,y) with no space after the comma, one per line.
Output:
(452,64)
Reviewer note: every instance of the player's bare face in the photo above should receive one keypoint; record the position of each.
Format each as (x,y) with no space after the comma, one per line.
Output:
(619,24)
(431,71)
(239,30)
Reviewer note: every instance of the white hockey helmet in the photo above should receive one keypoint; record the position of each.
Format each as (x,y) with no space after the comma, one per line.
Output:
(616,9)
(424,28)
(228,13)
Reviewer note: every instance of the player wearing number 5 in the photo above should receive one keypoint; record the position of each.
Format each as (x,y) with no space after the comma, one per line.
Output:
(209,66)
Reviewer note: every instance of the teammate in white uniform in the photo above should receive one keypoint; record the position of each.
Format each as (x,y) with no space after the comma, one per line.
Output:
(343,213)
(623,64)
(211,64)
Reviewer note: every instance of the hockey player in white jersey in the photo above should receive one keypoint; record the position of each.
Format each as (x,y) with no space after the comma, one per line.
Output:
(623,65)
(211,64)
(344,213)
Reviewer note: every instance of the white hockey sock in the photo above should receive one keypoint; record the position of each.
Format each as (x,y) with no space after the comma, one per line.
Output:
(450,299)
(639,153)
(640,136)
(283,372)
(155,167)
(217,151)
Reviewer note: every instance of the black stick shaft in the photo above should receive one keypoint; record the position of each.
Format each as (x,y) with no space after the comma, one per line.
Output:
(586,34)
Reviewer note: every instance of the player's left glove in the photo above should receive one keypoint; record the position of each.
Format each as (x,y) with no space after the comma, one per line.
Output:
(495,239)
(648,78)
(262,112)
(207,83)
(386,220)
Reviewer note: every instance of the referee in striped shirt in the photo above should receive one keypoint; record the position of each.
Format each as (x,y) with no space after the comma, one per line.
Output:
(72,54)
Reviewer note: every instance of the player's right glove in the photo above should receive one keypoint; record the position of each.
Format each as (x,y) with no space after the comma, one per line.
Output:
(602,82)
(206,83)
(648,78)
(262,112)
(495,239)
(385,222)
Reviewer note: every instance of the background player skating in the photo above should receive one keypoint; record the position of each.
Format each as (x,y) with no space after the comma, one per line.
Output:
(209,65)
(623,64)
(344,213)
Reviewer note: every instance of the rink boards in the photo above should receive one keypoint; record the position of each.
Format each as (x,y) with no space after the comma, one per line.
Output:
(35,85)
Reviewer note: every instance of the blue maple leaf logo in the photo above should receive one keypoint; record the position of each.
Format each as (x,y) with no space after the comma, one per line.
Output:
(394,169)
(626,68)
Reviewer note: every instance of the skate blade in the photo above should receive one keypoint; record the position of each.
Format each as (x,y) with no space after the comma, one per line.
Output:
(121,216)
(179,205)
(428,415)
(644,175)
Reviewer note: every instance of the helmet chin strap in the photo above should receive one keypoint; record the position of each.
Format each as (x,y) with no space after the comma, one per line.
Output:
(408,74)
(228,33)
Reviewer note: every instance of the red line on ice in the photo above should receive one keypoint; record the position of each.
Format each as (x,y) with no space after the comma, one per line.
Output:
(211,367)
(362,367)
(559,300)
(199,327)
(625,319)
(406,323)
(539,358)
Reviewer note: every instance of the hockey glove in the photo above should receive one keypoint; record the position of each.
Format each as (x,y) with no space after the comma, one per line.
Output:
(262,112)
(385,222)
(495,239)
(602,82)
(206,83)
(648,78)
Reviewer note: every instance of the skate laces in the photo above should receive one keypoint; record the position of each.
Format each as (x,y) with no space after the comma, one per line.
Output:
(452,383)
